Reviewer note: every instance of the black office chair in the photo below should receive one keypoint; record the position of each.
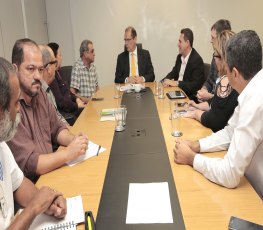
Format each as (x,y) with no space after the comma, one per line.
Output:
(207,68)
(65,72)
(254,173)
(139,46)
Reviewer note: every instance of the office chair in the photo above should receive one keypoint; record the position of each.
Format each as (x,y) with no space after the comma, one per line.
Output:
(254,173)
(206,68)
(65,72)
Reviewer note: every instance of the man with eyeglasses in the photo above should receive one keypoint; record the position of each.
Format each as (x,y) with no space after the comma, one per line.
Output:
(50,64)
(134,65)
(208,88)
(84,76)
(39,126)
(13,184)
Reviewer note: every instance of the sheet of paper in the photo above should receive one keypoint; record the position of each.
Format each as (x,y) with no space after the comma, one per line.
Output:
(107,118)
(149,203)
(75,215)
(90,152)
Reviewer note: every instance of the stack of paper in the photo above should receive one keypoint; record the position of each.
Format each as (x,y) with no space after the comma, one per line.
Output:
(107,115)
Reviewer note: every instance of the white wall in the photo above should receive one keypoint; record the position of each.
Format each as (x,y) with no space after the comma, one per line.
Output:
(60,28)
(158,25)
(19,19)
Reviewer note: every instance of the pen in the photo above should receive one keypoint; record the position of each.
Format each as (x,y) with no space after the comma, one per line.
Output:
(98,150)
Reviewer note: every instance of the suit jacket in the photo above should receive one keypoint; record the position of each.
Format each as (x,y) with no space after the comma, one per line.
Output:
(194,75)
(145,66)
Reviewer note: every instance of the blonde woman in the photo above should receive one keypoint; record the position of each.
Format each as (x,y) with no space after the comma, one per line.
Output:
(216,112)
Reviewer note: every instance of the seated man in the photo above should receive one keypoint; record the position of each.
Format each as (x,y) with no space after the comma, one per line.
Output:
(84,77)
(32,143)
(66,102)
(49,62)
(134,65)
(13,184)
(188,72)
(208,89)
(243,135)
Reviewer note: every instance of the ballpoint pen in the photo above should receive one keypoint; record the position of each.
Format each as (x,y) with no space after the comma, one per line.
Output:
(98,150)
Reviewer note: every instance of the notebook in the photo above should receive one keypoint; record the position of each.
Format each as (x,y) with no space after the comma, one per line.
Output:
(75,215)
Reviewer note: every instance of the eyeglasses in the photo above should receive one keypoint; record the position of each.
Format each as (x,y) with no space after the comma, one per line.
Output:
(216,56)
(90,51)
(127,39)
(32,69)
(55,62)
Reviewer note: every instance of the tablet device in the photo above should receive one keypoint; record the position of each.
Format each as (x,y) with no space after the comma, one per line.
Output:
(177,94)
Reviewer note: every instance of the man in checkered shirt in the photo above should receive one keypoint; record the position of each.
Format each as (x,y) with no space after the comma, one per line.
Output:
(84,77)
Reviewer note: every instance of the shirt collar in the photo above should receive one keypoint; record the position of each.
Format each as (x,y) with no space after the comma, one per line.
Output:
(250,86)
(134,52)
(185,60)
(45,86)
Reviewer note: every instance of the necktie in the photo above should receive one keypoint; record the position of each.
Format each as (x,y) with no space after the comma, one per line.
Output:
(133,67)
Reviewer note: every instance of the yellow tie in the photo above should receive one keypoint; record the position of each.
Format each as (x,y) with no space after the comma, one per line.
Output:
(133,67)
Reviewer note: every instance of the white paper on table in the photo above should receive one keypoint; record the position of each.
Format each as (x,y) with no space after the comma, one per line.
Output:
(90,152)
(149,203)
(107,118)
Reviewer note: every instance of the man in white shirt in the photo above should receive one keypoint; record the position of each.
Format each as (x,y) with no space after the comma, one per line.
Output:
(13,184)
(243,136)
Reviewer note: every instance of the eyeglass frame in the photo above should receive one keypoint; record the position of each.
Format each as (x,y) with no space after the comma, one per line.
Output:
(51,63)
(216,56)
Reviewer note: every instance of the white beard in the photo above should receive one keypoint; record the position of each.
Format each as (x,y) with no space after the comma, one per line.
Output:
(8,127)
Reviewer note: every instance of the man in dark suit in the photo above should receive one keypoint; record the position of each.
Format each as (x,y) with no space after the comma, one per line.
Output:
(188,72)
(134,65)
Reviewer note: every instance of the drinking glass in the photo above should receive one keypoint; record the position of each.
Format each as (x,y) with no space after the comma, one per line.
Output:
(175,121)
(117,91)
(119,114)
(160,91)
(156,86)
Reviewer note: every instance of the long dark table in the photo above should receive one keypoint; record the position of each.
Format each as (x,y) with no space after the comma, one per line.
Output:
(138,155)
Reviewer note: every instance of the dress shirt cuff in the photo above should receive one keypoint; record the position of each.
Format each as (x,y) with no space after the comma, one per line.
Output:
(126,79)
(143,79)
(198,163)
(203,144)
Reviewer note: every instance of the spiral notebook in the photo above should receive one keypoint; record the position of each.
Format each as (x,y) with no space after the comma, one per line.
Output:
(75,215)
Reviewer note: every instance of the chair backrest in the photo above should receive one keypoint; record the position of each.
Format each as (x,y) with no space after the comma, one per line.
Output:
(254,173)
(65,72)
(207,68)
(139,46)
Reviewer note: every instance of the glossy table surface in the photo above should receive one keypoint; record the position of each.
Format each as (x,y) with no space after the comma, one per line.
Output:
(204,204)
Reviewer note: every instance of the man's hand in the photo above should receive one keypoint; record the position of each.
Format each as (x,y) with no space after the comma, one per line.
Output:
(43,199)
(185,151)
(58,208)
(203,95)
(168,82)
(77,147)
(132,79)
(139,79)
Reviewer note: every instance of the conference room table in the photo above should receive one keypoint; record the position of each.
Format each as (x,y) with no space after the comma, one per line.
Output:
(204,205)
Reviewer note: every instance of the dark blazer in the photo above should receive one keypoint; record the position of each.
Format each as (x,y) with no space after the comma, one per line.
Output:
(194,75)
(145,66)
